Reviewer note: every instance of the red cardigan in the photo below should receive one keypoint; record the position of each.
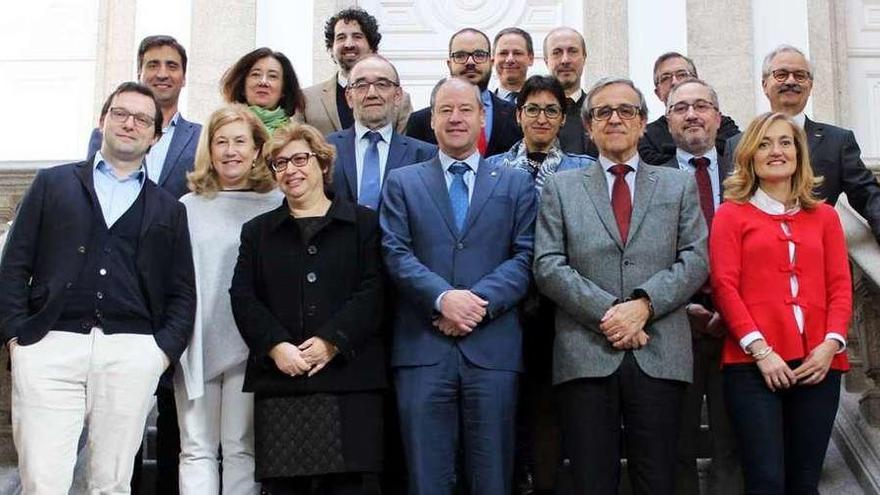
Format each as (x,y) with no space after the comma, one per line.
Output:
(750,274)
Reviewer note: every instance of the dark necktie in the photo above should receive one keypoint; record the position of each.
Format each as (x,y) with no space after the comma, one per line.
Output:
(458,193)
(704,187)
(621,202)
(369,192)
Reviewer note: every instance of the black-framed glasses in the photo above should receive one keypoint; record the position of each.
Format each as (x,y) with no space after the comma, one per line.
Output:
(678,75)
(461,56)
(120,115)
(550,111)
(699,106)
(625,112)
(280,163)
(781,75)
(381,85)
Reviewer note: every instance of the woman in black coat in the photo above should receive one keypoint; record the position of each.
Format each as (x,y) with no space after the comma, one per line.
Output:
(307,298)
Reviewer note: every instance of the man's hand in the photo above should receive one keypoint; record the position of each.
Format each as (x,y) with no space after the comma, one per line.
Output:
(636,341)
(705,322)
(449,328)
(317,352)
(288,358)
(463,308)
(624,320)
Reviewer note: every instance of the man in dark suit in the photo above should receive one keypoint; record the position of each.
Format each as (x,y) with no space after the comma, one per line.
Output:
(162,67)
(656,146)
(457,238)
(512,54)
(787,77)
(97,299)
(693,117)
(369,149)
(470,58)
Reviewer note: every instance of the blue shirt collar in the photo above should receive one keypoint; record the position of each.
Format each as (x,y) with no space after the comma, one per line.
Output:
(472,161)
(101,165)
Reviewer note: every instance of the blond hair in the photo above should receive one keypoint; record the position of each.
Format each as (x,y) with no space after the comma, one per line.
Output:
(324,152)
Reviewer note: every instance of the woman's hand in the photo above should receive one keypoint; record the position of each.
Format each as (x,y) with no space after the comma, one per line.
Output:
(289,359)
(777,374)
(317,352)
(815,366)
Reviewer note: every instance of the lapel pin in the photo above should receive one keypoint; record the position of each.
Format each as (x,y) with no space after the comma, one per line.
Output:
(494,173)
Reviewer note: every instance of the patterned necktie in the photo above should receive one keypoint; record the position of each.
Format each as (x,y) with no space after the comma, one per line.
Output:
(704,186)
(458,193)
(369,192)
(621,202)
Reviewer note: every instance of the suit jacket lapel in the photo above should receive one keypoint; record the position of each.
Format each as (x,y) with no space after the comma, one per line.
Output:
(646,182)
(397,149)
(328,99)
(814,133)
(435,182)
(84,172)
(150,207)
(347,150)
(484,184)
(596,188)
(183,132)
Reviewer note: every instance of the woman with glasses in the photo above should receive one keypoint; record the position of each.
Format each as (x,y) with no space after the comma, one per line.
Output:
(265,81)
(781,281)
(307,297)
(230,185)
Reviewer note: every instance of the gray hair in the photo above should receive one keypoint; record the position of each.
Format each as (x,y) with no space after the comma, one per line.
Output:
(602,84)
(783,48)
(670,55)
(712,94)
(447,80)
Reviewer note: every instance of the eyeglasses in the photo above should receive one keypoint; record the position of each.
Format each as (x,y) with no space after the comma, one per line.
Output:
(461,57)
(142,120)
(781,75)
(679,75)
(625,112)
(279,164)
(550,111)
(699,106)
(381,85)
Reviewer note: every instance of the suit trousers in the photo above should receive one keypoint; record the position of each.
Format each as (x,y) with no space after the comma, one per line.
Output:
(68,380)
(591,413)
(221,420)
(434,402)
(782,436)
(725,475)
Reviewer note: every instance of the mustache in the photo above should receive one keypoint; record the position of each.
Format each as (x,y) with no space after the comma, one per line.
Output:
(796,88)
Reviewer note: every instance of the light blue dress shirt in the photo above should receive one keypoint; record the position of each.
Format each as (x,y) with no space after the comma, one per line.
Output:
(361,143)
(115,195)
(469,177)
(156,157)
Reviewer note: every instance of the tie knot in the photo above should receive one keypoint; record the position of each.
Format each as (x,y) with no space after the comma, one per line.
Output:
(373,136)
(620,170)
(701,162)
(458,168)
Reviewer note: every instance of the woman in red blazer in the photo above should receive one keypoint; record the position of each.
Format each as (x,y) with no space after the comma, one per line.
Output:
(781,280)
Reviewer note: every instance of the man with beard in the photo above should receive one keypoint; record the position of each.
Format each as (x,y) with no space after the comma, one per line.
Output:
(469,58)
(694,117)
(513,54)
(349,36)
(787,77)
(656,146)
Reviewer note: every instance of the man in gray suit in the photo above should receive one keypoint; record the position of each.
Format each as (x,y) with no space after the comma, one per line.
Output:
(620,248)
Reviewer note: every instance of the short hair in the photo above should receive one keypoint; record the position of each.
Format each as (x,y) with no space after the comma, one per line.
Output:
(669,55)
(369,26)
(203,179)
(157,41)
(233,81)
(324,152)
(530,49)
(608,81)
(783,48)
(135,87)
(743,181)
(564,28)
(376,56)
(537,84)
(469,30)
(712,94)
(446,80)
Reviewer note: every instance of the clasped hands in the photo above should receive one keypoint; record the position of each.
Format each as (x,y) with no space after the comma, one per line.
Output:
(309,357)
(460,312)
(779,376)
(624,324)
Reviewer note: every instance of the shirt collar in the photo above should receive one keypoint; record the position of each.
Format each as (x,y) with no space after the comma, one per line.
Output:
(765,203)
(800,119)
(633,162)
(502,93)
(105,167)
(385,131)
(172,122)
(576,96)
(341,80)
(684,158)
(473,161)
(486,97)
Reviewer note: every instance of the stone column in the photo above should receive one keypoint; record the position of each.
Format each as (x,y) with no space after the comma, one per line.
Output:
(605,31)
(826,38)
(115,61)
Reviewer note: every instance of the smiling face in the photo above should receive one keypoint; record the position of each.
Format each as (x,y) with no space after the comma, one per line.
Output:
(693,131)
(264,82)
(126,140)
(616,138)
(233,153)
(512,61)
(162,71)
(349,44)
(540,132)
(371,106)
(565,57)
(775,159)
(457,118)
(477,73)
(299,184)
(788,96)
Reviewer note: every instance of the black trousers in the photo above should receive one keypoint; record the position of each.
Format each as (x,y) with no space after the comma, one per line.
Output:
(167,445)
(782,436)
(327,484)
(591,412)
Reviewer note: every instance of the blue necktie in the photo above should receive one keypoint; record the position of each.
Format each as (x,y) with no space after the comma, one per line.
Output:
(458,193)
(369,193)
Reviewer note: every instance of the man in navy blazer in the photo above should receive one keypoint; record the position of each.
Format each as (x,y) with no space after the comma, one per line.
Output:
(162,67)
(97,298)
(369,149)
(457,236)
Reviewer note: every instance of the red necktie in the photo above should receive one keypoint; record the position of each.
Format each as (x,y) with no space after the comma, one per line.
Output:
(481,143)
(704,186)
(621,202)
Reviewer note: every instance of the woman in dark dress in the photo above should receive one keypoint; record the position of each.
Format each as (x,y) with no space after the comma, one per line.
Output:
(307,298)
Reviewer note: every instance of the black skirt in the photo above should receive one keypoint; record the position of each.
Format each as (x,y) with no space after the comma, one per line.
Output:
(314,434)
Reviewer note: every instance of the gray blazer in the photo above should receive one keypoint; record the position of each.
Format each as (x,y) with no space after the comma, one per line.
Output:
(582,265)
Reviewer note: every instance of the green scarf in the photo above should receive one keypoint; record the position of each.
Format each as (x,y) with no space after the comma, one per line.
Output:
(272,119)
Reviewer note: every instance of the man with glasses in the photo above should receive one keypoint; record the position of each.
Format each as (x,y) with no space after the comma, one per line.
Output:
(97,299)
(513,54)
(470,59)
(787,77)
(605,257)
(694,116)
(657,146)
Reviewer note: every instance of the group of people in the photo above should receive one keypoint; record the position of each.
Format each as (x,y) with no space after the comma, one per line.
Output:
(357,298)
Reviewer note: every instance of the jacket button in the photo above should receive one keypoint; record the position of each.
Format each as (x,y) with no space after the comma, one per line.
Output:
(626,263)
(311,277)
(102,272)
(98,313)
(68,285)
(81,250)
(311,309)
(312,249)
(99,295)
(460,245)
